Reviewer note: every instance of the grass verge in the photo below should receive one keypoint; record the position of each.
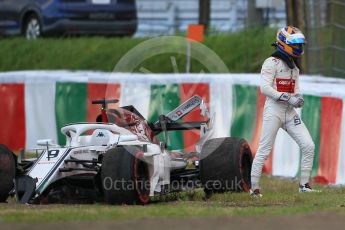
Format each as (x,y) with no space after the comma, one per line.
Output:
(280,198)
(242,51)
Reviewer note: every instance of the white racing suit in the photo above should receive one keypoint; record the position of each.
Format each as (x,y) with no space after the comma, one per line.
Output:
(277,78)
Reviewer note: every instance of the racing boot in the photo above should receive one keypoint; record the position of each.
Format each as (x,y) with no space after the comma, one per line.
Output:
(306,188)
(256,193)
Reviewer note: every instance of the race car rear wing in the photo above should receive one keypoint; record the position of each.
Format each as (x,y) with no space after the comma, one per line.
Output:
(175,126)
(183,109)
(169,122)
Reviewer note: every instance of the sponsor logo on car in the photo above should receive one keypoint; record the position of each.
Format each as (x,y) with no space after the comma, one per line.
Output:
(82,151)
(185,108)
(100,134)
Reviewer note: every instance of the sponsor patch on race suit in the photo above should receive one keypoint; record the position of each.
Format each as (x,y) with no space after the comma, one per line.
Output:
(285,85)
(297,120)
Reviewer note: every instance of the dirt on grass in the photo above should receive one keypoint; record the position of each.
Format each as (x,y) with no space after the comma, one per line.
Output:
(315,221)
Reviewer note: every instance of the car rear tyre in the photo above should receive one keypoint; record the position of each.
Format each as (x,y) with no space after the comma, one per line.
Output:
(32,27)
(125,176)
(225,165)
(7,172)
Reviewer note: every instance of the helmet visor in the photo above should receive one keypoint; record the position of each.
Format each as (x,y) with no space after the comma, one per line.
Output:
(296,41)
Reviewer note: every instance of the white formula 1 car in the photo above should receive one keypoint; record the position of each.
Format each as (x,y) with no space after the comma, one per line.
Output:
(119,160)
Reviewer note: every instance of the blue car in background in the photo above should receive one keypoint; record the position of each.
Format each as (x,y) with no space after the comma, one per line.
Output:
(36,18)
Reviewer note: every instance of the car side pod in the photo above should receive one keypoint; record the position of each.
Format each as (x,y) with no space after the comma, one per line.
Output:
(25,187)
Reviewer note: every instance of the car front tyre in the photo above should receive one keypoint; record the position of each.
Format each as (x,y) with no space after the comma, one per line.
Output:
(125,176)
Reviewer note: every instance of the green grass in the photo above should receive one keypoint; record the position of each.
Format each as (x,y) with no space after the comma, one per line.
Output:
(280,198)
(241,51)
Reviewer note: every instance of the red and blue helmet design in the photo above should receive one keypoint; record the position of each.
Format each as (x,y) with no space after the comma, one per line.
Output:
(290,40)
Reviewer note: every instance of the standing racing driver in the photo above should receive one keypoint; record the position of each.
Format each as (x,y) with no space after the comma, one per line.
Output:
(280,84)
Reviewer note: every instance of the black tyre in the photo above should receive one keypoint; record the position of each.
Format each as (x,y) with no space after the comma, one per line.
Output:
(32,28)
(7,172)
(225,165)
(125,177)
